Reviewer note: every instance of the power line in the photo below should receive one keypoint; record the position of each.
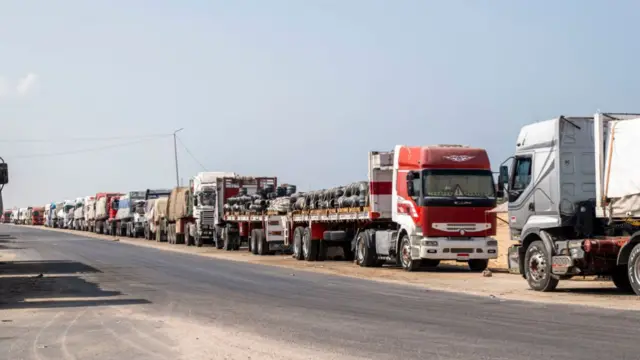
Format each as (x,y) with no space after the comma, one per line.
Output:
(190,154)
(59,139)
(79,151)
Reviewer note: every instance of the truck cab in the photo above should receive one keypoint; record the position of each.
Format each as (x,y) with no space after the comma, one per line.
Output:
(127,208)
(438,197)
(203,189)
(573,200)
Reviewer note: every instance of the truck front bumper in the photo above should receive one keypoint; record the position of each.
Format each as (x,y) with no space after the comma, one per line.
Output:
(441,248)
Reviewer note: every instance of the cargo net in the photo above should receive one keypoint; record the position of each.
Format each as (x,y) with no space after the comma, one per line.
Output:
(285,199)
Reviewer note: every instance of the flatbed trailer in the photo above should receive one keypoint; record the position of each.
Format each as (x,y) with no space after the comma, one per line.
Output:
(419,205)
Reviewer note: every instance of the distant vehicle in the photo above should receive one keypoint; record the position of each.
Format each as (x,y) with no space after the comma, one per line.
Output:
(130,205)
(6,217)
(37,215)
(104,211)
(78,214)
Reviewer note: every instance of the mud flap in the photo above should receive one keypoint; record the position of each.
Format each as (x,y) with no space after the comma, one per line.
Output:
(513,259)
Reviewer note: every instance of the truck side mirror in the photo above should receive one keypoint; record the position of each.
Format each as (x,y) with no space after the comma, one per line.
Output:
(503,179)
(410,189)
(4,174)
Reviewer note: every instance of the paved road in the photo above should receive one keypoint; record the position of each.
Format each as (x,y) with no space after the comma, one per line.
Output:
(99,299)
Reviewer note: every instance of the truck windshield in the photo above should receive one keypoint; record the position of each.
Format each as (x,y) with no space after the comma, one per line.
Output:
(207,198)
(68,207)
(140,208)
(458,183)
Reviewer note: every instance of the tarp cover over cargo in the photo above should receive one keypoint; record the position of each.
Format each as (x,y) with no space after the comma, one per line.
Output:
(620,155)
(179,205)
(101,208)
(160,210)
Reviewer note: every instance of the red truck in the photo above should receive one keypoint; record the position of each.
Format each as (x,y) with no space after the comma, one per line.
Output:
(420,205)
(37,215)
(104,211)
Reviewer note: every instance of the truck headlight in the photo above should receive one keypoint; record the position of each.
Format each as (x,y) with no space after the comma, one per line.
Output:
(430,243)
(492,243)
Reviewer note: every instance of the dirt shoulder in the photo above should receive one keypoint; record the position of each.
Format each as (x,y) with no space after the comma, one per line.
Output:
(448,277)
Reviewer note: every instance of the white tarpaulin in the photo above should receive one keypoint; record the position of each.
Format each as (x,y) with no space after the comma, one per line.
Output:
(621,164)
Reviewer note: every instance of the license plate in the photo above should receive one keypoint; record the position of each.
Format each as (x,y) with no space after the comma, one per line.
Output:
(463,257)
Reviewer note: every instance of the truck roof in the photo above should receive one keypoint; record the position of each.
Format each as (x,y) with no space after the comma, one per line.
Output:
(441,156)
(209,177)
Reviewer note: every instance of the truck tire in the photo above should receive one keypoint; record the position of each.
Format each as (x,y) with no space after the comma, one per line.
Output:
(365,255)
(633,269)
(620,277)
(478,265)
(406,260)
(253,248)
(261,241)
(309,247)
(297,243)
(537,268)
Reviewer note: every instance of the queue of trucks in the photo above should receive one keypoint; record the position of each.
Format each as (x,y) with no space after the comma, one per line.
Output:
(573,207)
(419,205)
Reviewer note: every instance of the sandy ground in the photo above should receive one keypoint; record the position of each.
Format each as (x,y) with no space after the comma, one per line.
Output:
(449,277)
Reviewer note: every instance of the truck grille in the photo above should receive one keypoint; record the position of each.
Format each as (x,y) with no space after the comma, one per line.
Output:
(207,217)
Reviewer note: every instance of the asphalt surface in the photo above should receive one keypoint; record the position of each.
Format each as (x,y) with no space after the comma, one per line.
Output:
(99,299)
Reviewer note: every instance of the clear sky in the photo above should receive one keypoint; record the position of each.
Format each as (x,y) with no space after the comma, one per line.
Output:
(297,89)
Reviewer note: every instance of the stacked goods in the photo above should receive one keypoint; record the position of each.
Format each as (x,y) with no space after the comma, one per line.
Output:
(267,198)
(349,196)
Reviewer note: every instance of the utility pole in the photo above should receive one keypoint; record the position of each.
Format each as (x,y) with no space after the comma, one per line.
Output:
(175,152)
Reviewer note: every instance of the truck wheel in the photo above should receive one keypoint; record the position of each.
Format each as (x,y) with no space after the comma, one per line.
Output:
(478,264)
(537,268)
(309,247)
(366,256)
(407,262)
(297,243)
(261,240)
(620,277)
(252,242)
(633,269)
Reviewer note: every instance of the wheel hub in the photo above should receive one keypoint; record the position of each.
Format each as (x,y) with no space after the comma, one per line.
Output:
(538,266)
(406,254)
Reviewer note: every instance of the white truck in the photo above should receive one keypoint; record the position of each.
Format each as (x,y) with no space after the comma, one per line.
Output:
(203,192)
(574,200)
(89,213)
(130,207)
(78,214)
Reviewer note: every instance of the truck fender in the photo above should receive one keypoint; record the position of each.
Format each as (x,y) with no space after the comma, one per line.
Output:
(369,238)
(623,254)
(531,235)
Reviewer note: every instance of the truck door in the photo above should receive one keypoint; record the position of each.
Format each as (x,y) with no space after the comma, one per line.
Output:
(521,191)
